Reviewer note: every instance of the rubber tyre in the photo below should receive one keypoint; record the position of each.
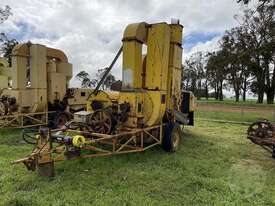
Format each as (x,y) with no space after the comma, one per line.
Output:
(172,137)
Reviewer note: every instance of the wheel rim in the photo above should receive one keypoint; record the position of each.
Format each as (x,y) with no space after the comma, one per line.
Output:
(101,122)
(2,109)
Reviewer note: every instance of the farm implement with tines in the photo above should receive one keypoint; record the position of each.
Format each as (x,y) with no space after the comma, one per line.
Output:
(263,133)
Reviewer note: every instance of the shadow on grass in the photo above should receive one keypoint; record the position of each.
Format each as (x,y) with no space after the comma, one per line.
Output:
(11,137)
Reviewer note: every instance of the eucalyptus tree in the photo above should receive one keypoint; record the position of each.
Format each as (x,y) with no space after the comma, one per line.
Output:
(6,44)
(259,39)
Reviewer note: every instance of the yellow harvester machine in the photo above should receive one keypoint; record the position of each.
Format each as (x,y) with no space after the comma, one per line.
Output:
(34,90)
(148,111)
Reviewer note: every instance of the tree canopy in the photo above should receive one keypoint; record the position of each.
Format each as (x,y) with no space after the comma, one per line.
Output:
(88,82)
(6,44)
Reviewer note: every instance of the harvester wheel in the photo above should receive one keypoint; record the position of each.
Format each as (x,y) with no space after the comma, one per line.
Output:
(172,137)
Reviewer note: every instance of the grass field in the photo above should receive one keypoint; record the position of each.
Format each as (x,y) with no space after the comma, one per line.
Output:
(216,165)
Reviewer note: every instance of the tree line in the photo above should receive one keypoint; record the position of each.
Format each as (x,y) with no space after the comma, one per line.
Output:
(244,61)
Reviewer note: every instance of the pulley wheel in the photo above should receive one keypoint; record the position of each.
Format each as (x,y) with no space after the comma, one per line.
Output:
(3,109)
(100,122)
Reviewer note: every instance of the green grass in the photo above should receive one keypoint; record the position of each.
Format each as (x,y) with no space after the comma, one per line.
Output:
(216,165)
(227,101)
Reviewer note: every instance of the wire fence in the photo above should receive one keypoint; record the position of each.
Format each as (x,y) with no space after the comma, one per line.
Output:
(234,113)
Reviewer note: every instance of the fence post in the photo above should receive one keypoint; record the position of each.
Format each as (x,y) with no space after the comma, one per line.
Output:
(242,113)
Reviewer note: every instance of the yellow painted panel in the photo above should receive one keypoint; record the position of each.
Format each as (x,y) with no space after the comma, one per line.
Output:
(157,56)
(3,82)
(19,72)
(175,58)
(136,31)
(38,70)
(132,65)
(154,107)
(176,33)
(66,69)
(56,86)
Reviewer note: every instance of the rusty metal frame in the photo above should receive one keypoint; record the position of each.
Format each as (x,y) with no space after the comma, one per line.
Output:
(133,141)
(18,120)
(100,141)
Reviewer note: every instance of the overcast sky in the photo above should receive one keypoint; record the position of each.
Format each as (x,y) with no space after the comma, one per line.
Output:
(90,31)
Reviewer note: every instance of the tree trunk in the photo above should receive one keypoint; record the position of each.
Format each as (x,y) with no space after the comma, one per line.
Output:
(237,94)
(199,90)
(244,89)
(244,96)
(261,88)
(236,90)
(217,91)
(270,90)
(260,96)
(220,91)
(260,74)
(270,96)
(206,90)
(193,86)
